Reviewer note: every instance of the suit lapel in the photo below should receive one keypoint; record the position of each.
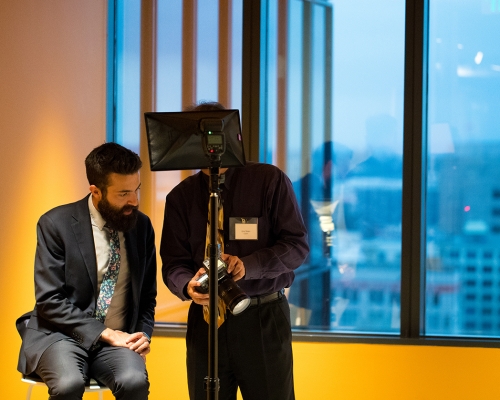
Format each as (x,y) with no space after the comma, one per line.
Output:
(82,229)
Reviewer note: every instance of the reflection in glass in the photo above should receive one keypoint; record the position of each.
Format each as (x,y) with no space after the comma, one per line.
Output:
(343,68)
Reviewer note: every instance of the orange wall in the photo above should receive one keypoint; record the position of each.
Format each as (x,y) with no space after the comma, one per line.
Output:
(52,113)
(350,372)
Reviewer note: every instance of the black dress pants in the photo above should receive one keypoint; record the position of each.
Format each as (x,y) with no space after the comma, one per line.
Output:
(255,353)
(65,366)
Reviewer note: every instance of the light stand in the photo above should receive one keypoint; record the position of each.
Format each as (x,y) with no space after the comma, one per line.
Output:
(212,380)
(215,146)
(198,140)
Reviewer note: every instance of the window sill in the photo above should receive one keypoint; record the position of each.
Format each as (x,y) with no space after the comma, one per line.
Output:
(163,329)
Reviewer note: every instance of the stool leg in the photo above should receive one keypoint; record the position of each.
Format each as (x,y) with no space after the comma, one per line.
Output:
(28,395)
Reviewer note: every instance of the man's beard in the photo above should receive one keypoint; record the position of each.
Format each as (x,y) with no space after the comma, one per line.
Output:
(115,217)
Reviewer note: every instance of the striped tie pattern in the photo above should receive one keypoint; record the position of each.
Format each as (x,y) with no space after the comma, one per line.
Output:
(220,241)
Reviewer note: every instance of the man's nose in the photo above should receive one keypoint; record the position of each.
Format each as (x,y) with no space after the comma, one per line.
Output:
(134,199)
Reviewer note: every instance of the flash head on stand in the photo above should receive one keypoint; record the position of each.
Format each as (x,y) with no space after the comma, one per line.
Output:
(214,141)
(194,140)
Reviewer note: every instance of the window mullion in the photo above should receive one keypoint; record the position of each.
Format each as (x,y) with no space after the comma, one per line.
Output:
(413,238)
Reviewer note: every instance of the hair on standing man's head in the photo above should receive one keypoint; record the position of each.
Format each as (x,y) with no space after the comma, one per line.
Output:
(206,106)
(110,158)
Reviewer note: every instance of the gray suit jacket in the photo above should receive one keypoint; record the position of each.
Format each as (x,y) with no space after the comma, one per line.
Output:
(66,283)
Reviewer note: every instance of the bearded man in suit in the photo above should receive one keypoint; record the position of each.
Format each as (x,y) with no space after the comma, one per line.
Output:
(95,286)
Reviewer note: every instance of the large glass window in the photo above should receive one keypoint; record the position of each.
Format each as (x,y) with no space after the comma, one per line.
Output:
(342,69)
(463,153)
(331,102)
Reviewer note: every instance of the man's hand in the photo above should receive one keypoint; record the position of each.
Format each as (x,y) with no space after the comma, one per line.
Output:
(115,338)
(198,298)
(136,341)
(139,343)
(234,266)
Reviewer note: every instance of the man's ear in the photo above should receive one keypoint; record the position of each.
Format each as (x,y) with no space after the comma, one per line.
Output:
(96,193)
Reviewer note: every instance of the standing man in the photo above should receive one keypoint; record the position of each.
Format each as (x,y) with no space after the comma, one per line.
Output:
(255,352)
(95,286)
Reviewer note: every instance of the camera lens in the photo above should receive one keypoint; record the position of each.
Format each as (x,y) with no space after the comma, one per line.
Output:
(236,300)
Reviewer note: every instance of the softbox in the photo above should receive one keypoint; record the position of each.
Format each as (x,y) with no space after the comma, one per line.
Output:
(175,139)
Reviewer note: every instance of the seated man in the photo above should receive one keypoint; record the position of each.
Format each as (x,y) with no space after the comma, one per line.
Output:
(95,286)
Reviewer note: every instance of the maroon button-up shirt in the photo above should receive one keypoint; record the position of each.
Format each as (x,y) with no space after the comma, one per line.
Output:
(260,191)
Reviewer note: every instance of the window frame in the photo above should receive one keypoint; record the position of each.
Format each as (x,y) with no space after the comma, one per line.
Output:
(412,326)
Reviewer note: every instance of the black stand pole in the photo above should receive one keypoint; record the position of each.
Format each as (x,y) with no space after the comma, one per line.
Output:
(212,380)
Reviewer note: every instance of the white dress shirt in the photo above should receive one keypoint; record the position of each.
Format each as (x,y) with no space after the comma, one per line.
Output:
(117,311)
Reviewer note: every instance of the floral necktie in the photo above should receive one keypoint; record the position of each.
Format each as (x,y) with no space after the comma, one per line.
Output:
(110,277)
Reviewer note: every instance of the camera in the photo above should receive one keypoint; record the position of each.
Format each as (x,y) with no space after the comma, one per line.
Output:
(236,300)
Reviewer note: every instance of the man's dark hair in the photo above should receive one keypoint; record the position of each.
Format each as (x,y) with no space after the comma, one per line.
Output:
(110,158)
(206,106)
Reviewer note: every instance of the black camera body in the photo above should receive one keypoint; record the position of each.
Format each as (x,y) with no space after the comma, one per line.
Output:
(235,299)
(203,279)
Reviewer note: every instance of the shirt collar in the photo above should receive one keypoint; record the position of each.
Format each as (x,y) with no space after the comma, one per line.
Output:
(226,181)
(95,215)
(228,175)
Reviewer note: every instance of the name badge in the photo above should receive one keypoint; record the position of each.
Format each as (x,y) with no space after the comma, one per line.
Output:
(243,228)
